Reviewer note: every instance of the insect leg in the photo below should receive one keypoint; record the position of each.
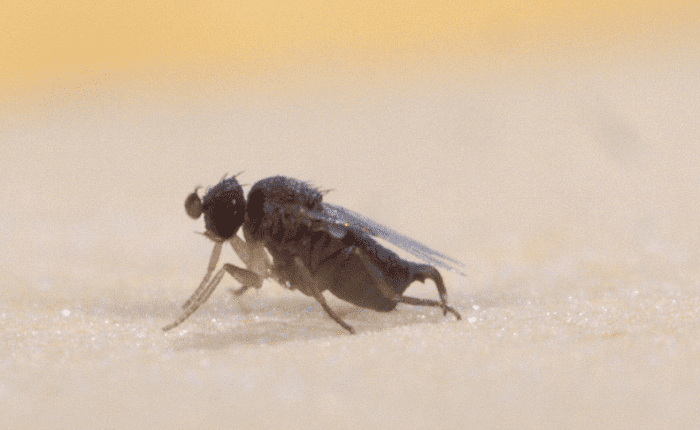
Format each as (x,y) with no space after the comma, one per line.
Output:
(213,260)
(429,272)
(195,302)
(391,294)
(253,255)
(311,283)
(247,278)
(239,291)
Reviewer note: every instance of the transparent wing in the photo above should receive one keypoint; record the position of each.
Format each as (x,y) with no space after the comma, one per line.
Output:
(345,218)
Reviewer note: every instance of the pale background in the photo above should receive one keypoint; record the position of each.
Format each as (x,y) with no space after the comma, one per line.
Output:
(552,147)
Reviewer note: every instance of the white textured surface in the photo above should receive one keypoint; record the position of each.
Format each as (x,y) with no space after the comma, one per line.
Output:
(574,204)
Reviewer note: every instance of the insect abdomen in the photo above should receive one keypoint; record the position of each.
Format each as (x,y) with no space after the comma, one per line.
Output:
(353,282)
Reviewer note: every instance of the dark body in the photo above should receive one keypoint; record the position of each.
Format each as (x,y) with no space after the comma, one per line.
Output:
(314,247)
(287,216)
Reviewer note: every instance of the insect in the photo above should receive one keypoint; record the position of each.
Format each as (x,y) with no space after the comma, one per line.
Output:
(315,246)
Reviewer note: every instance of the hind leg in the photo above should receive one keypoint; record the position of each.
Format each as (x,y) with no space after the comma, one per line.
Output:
(429,272)
(425,272)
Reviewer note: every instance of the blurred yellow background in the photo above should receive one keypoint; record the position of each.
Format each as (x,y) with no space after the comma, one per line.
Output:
(210,41)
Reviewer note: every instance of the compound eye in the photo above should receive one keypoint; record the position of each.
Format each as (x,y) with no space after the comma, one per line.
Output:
(193,205)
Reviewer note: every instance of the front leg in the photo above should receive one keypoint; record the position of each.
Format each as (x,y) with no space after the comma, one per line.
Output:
(245,277)
(254,256)
(213,261)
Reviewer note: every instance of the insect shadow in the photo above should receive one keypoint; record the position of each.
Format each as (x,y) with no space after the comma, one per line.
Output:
(315,246)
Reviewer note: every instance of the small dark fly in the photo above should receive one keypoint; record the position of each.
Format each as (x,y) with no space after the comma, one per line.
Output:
(315,246)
